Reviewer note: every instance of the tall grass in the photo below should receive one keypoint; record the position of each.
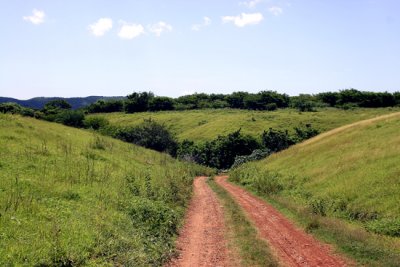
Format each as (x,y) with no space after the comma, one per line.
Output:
(345,187)
(70,197)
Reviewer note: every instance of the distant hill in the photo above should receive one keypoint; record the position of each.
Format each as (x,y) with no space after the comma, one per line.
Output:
(75,102)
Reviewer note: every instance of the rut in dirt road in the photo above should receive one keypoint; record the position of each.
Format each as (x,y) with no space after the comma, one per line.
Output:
(202,241)
(292,246)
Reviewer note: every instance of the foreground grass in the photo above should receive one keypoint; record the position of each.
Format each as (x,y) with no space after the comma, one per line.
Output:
(252,250)
(203,125)
(344,188)
(70,197)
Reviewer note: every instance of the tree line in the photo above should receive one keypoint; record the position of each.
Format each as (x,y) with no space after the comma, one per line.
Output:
(264,100)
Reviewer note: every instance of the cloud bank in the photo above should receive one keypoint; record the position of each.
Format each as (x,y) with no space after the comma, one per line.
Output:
(159,28)
(244,19)
(36,18)
(100,27)
(129,31)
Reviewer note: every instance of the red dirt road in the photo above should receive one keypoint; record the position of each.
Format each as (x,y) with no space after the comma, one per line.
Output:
(202,242)
(292,246)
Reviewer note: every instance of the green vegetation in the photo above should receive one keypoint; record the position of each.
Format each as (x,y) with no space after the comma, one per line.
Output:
(236,148)
(70,197)
(205,125)
(343,185)
(263,100)
(243,236)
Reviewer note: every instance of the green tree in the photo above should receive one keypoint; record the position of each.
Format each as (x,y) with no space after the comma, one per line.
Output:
(138,102)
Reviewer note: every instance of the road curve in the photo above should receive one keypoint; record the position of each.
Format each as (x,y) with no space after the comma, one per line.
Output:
(292,246)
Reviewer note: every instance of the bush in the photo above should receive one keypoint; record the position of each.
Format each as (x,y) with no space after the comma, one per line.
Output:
(267,183)
(159,220)
(95,123)
(276,140)
(255,155)
(389,227)
(271,106)
(304,103)
(102,106)
(149,134)
(304,133)
(12,108)
(159,103)
(138,102)
(221,152)
(72,118)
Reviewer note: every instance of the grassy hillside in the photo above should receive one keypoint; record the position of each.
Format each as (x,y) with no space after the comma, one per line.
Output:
(350,173)
(71,197)
(202,125)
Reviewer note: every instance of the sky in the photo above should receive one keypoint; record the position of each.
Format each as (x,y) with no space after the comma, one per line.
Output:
(177,47)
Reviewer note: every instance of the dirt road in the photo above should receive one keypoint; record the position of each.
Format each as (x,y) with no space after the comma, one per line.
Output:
(292,246)
(202,241)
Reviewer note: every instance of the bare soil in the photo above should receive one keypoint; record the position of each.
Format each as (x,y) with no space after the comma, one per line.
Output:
(202,240)
(292,246)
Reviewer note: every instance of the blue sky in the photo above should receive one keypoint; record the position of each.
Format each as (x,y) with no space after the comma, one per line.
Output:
(176,47)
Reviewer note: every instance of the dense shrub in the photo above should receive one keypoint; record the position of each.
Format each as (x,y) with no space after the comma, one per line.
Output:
(159,103)
(11,108)
(221,152)
(389,227)
(304,103)
(14,108)
(55,106)
(350,98)
(276,140)
(255,155)
(102,106)
(72,118)
(304,133)
(149,134)
(138,102)
(95,123)
(265,100)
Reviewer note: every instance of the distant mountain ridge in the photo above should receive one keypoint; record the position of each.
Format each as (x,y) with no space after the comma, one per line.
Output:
(75,102)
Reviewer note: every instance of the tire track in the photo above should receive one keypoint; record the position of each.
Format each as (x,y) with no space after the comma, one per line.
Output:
(292,246)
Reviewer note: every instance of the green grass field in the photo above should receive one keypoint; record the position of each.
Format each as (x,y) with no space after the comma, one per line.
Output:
(203,125)
(72,197)
(351,174)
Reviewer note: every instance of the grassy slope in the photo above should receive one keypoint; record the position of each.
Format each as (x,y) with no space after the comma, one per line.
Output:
(68,196)
(201,125)
(352,173)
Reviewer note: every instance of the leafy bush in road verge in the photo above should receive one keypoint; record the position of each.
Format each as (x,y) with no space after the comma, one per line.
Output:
(389,227)
(255,155)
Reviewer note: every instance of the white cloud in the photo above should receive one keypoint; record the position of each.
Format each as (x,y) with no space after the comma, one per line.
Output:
(251,3)
(159,28)
(275,10)
(100,27)
(36,18)
(206,22)
(130,31)
(244,19)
